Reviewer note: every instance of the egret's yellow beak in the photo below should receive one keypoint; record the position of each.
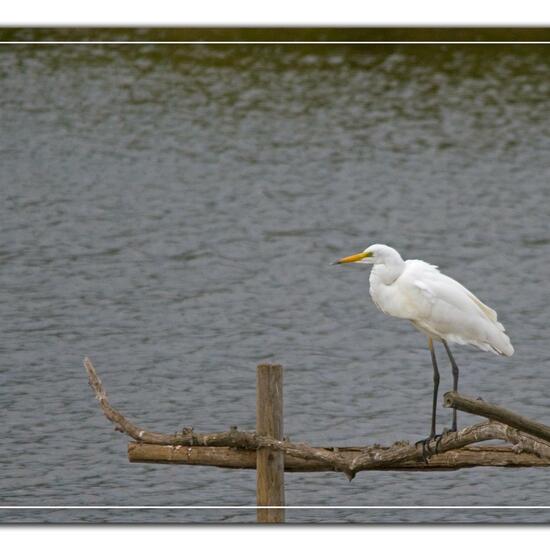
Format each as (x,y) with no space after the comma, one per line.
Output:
(354,258)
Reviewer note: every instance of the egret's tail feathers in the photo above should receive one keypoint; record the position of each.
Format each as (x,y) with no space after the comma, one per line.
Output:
(507,349)
(497,339)
(499,342)
(494,339)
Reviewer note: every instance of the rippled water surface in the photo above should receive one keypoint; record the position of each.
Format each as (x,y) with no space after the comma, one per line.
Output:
(172,211)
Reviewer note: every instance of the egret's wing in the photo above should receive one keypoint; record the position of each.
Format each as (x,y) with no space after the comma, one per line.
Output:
(435,286)
(451,311)
(453,293)
(425,290)
(491,314)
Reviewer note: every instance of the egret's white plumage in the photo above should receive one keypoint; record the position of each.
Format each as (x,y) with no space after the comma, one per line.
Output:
(435,304)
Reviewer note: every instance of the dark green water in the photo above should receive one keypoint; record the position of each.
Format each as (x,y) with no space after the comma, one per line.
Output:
(171,211)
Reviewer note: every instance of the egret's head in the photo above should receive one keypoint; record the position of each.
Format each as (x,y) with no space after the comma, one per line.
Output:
(374,254)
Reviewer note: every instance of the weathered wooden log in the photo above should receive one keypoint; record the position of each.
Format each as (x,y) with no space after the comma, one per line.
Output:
(231,438)
(228,457)
(398,456)
(494,412)
(369,460)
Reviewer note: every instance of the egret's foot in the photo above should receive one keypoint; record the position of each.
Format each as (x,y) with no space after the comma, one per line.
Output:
(431,445)
(427,452)
(439,438)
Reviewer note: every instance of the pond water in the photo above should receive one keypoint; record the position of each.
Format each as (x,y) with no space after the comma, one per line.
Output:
(172,211)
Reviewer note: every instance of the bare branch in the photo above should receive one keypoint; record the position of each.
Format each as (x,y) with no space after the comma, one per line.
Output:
(231,438)
(405,453)
(235,448)
(494,412)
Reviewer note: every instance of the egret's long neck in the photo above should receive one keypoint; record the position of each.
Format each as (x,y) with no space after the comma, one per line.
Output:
(390,270)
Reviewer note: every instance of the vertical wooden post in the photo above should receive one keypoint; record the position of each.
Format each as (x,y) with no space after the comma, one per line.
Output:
(270,466)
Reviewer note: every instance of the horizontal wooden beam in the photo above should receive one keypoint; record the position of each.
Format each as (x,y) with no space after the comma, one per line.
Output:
(227,457)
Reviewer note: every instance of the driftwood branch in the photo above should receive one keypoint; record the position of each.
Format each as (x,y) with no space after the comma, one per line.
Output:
(228,457)
(494,412)
(231,438)
(485,431)
(237,449)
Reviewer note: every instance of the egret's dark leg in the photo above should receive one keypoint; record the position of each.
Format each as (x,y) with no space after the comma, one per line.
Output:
(426,451)
(455,380)
(436,386)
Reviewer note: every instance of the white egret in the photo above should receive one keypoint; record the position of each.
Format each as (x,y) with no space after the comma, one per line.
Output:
(437,305)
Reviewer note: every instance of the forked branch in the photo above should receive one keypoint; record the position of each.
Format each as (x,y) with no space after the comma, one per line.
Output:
(236,449)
